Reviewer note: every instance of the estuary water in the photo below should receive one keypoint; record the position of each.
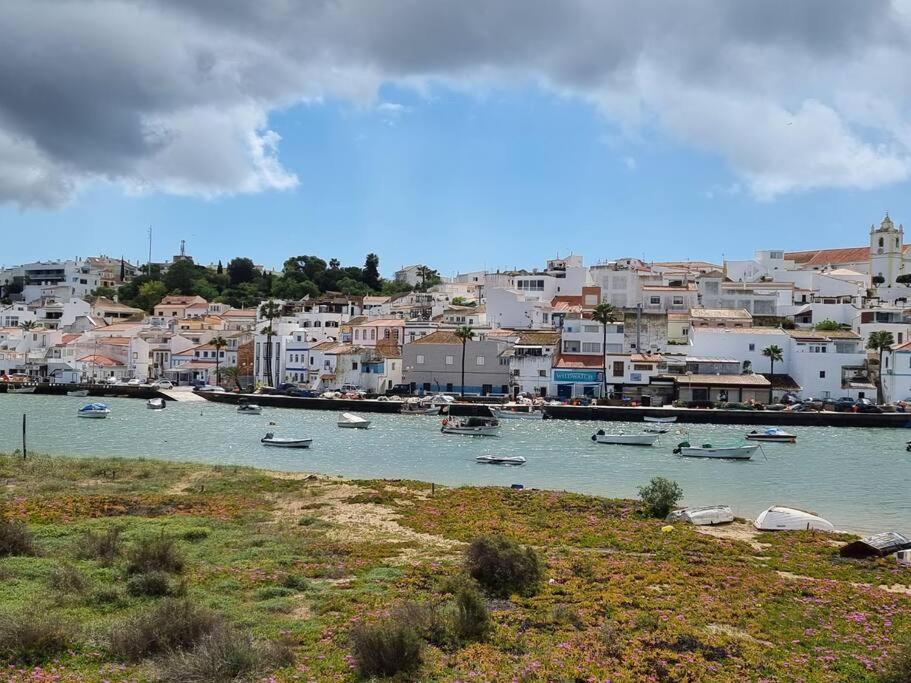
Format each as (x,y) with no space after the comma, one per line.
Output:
(859,479)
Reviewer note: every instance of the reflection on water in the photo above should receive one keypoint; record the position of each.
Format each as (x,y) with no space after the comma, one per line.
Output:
(857,478)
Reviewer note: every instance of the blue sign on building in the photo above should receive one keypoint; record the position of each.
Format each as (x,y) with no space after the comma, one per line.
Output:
(577,376)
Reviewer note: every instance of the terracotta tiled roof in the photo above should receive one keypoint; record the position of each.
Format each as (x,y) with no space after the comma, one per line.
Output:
(646,358)
(579,361)
(783,382)
(239,313)
(823,335)
(103,361)
(727,380)
(544,338)
(439,337)
(720,314)
(569,300)
(823,257)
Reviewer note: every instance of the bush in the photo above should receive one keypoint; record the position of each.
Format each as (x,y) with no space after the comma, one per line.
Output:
(660,496)
(68,579)
(470,620)
(15,538)
(567,615)
(295,582)
(30,637)
(172,624)
(898,667)
(153,584)
(196,533)
(503,566)
(386,648)
(103,546)
(155,553)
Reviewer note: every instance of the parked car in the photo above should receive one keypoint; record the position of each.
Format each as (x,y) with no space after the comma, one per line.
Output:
(843,404)
(110,380)
(301,393)
(865,405)
(399,390)
(163,384)
(135,382)
(210,387)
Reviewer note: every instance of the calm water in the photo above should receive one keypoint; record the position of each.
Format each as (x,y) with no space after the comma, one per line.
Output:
(857,478)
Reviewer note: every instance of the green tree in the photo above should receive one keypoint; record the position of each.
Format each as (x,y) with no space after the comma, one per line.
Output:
(774,354)
(219,343)
(879,341)
(604,314)
(180,277)
(269,311)
(372,271)
(352,287)
(205,289)
(429,278)
(827,326)
(107,292)
(241,269)
(462,301)
(464,334)
(334,264)
(220,268)
(28,325)
(150,293)
(232,374)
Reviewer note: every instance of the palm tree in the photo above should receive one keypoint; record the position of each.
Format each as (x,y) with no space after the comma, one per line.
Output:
(219,343)
(464,333)
(28,325)
(774,354)
(232,374)
(879,341)
(269,310)
(604,314)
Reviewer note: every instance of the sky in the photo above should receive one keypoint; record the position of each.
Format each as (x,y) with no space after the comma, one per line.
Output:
(464,135)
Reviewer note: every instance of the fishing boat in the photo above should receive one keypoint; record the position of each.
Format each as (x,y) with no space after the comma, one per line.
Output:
(351,421)
(78,393)
(21,390)
(245,408)
(514,460)
(661,420)
(471,426)
(772,435)
(279,442)
(518,411)
(97,411)
(656,430)
(624,439)
(708,515)
(414,406)
(732,452)
(780,518)
(156,404)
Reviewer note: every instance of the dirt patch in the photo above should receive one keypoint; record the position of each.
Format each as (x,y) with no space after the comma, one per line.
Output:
(893,588)
(734,632)
(186,483)
(735,531)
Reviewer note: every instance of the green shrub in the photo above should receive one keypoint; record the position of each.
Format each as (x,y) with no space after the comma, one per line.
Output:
(31,637)
(196,533)
(386,648)
(15,538)
(223,654)
(567,615)
(68,579)
(107,596)
(470,619)
(503,567)
(172,624)
(104,546)
(271,592)
(154,553)
(153,584)
(295,582)
(660,496)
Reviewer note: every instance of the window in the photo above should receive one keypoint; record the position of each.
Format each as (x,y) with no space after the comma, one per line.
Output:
(591,328)
(372,334)
(822,374)
(591,347)
(654,300)
(357,334)
(752,347)
(419,360)
(480,360)
(618,368)
(448,360)
(354,365)
(426,386)
(542,373)
(642,367)
(685,332)
(449,386)
(678,301)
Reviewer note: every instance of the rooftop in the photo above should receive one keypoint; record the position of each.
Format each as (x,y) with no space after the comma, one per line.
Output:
(726,380)
(720,314)
(580,361)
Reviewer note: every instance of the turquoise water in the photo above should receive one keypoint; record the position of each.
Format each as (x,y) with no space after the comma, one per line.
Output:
(857,478)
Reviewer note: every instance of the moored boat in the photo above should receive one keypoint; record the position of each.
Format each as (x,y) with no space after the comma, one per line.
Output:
(732,452)
(20,390)
(283,442)
(471,426)
(667,419)
(414,406)
(707,515)
(245,408)
(772,435)
(781,518)
(625,439)
(513,460)
(656,430)
(518,411)
(351,421)
(94,410)
(78,393)
(156,404)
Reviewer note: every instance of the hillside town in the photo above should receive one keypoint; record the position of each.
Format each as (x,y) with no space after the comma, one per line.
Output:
(831,323)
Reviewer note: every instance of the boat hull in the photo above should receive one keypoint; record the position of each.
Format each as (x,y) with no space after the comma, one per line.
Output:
(660,420)
(779,518)
(250,411)
(626,439)
(301,443)
(79,393)
(518,415)
(22,390)
(471,431)
(495,460)
(771,439)
(95,415)
(354,425)
(738,453)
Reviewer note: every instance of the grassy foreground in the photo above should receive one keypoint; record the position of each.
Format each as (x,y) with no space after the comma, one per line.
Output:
(290,564)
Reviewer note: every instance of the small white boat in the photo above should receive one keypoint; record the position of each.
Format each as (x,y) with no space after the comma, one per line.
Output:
(78,393)
(278,442)
(734,452)
(156,404)
(708,515)
(351,421)
(518,411)
(20,390)
(780,518)
(413,406)
(97,411)
(249,409)
(661,420)
(472,426)
(772,435)
(625,439)
(656,430)
(513,460)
